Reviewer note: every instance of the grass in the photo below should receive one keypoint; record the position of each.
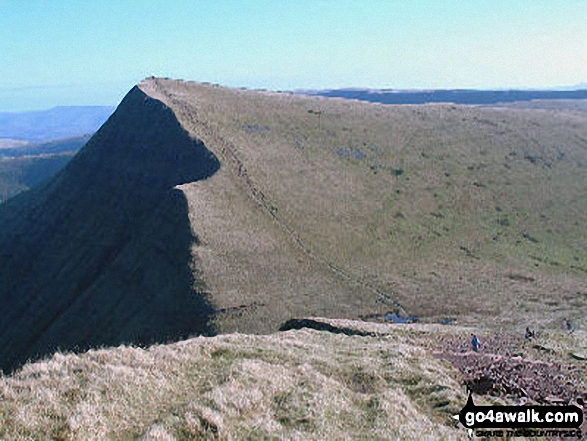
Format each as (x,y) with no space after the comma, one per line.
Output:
(294,385)
(432,205)
(298,384)
(319,207)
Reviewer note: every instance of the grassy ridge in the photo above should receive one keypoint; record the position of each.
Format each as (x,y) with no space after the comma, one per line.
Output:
(451,210)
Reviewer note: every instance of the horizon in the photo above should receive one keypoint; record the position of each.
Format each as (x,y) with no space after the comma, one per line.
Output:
(571,88)
(92,53)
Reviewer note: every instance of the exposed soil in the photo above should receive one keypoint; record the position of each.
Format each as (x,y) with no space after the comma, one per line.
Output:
(503,368)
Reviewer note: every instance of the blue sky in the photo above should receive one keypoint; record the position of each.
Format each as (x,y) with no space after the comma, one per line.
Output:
(91,52)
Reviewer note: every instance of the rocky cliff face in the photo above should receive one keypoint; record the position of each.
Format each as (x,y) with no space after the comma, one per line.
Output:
(101,254)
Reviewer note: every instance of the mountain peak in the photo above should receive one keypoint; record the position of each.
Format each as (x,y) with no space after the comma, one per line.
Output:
(93,238)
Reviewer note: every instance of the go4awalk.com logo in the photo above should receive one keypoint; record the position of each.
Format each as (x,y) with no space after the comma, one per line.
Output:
(528,421)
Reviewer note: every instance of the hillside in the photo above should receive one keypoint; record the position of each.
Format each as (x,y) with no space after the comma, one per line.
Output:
(56,123)
(20,174)
(450,210)
(25,165)
(201,209)
(296,385)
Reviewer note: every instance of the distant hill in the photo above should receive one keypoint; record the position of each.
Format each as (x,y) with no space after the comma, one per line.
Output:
(55,123)
(198,209)
(27,164)
(455,96)
(45,148)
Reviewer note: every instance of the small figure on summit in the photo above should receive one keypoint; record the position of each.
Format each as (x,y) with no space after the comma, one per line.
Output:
(475,343)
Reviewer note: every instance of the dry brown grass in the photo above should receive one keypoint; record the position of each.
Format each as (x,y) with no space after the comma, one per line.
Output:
(299,384)
(302,384)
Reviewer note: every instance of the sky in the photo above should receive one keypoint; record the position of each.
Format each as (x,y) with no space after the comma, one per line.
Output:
(91,52)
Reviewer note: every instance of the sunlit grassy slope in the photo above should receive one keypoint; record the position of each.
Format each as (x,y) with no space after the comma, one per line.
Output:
(450,210)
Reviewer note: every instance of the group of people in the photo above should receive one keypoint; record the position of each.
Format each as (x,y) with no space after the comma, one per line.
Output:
(476,343)
(530,335)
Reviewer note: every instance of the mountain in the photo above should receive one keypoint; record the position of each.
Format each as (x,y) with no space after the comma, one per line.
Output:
(456,96)
(111,212)
(56,123)
(198,209)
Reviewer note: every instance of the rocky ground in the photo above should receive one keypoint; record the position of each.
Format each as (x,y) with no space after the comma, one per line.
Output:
(518,370)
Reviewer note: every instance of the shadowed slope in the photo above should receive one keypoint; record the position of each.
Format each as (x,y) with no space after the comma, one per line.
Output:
(101,253)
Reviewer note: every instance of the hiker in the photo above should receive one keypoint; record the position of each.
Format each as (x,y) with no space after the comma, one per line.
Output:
(567,326)
(530,334)
(475,343)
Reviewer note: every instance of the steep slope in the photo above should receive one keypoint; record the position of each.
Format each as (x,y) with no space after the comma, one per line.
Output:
(101,253)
